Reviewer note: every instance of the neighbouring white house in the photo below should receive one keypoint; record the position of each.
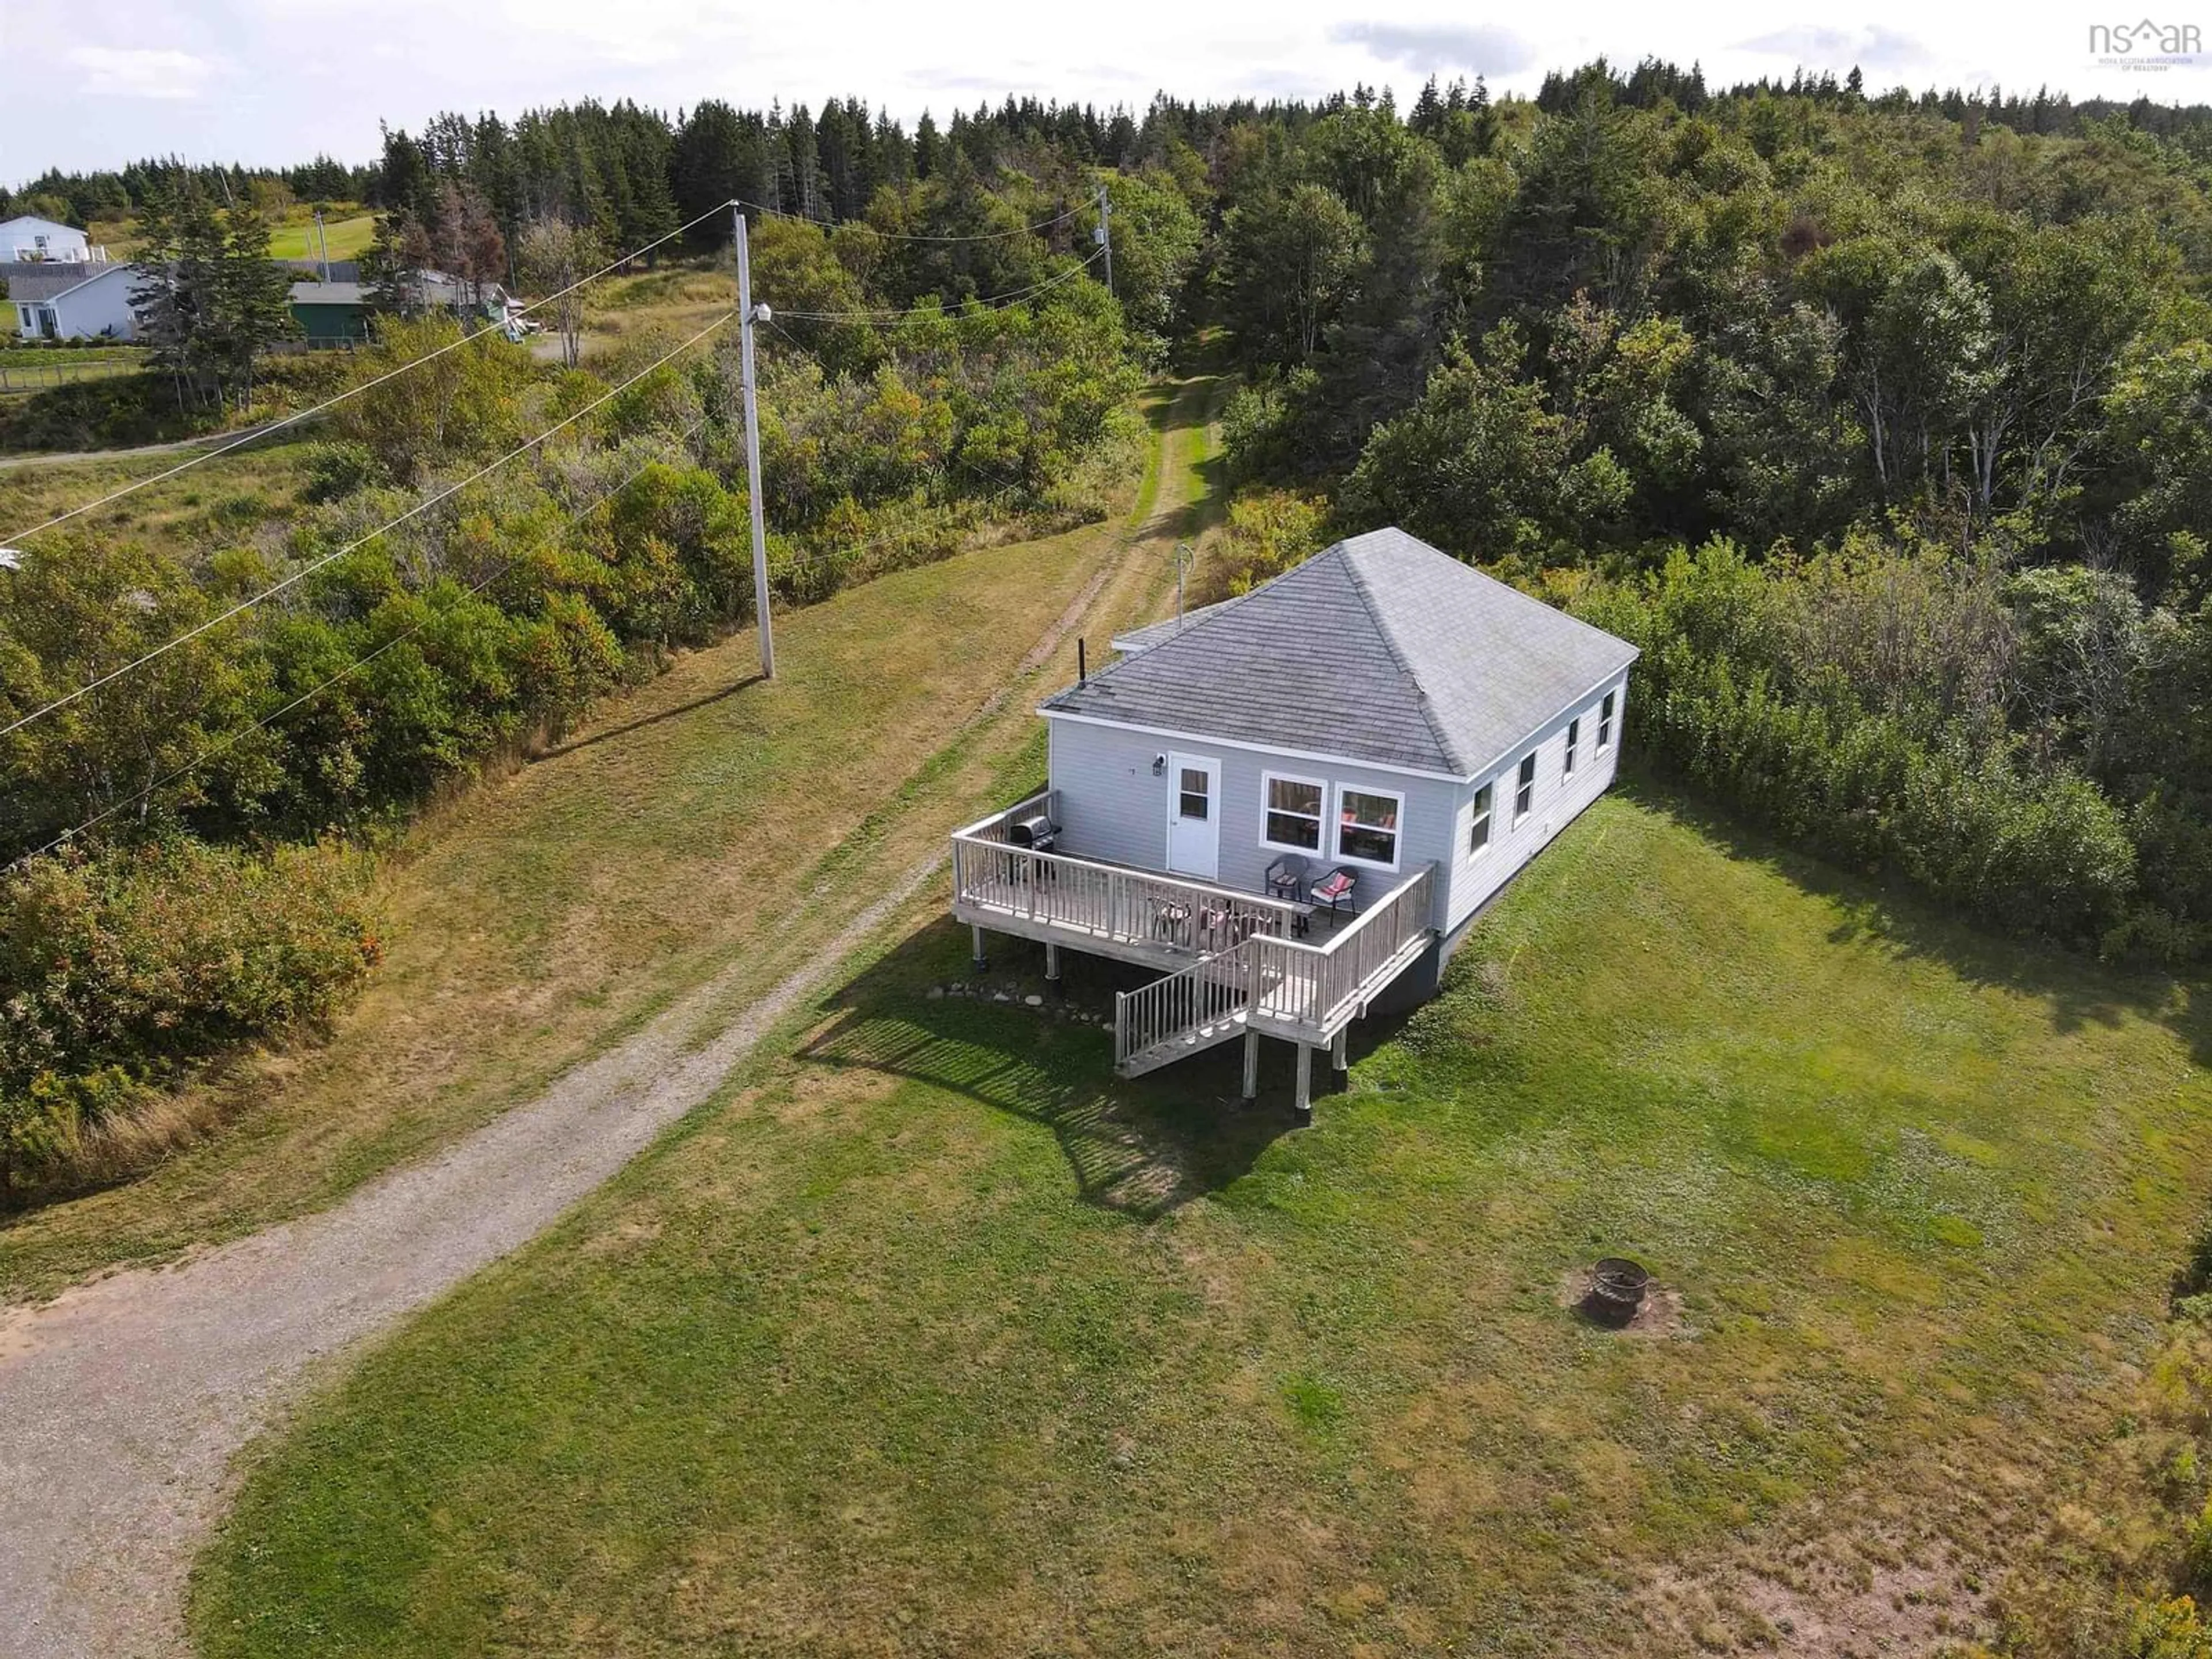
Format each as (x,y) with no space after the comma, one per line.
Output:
(27,237)
(74,302)
(1296,801)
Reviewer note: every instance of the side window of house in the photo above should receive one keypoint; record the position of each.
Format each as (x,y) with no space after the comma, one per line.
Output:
(1524,789)
(1195,800)
(1479,837)
(1294,813)
(1574,742)
(1605,721)
(1367,826)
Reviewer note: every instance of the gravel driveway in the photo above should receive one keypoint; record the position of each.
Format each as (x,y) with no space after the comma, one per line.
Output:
(122,1401)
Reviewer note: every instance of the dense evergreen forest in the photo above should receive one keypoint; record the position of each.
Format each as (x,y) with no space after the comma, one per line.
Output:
(1879,421)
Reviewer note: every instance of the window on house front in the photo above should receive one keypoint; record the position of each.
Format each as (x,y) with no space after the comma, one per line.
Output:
(1293,814)
(1367,826)
(1524,789)
(1195,800)
(1574,742)
(1479,837)
(1605,721)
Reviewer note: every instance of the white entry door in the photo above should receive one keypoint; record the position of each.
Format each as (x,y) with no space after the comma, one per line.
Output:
(1195,816)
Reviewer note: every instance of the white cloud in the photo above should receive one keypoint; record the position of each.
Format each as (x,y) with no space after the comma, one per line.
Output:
(142,71)
(1818,48)
(1425,48)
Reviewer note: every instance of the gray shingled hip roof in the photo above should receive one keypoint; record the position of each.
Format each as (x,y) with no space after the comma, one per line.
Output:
(1380,648)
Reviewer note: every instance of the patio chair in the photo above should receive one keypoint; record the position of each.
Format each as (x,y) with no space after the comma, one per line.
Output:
(1286,877)
(1335,889)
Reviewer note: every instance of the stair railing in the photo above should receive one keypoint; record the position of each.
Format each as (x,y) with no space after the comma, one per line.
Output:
(1207,992)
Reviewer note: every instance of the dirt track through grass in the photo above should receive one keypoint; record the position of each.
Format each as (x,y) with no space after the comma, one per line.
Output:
(127,1398)
(707,820)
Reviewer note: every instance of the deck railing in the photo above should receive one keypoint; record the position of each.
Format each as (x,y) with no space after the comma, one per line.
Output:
(1105,899)
(1303,984)
(994,828)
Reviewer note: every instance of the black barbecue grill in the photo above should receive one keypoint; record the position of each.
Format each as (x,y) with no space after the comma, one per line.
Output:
(1037,832)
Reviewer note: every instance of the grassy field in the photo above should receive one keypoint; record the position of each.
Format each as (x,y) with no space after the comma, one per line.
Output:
(708,820)
(293,237)
(932,1338)
(209,508)
(349,238)
(674,299)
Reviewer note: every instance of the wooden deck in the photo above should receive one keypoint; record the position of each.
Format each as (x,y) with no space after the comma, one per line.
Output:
(1231,959)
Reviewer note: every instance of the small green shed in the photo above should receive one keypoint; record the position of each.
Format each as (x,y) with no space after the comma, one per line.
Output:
(330,313)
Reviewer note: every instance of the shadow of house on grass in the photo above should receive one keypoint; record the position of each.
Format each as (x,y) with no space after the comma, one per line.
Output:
(2078,990)
(1142,1147)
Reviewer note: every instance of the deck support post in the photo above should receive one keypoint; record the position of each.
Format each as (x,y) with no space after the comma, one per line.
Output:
(1251,1064)
(982,960)
(1301,1097)
(1340,1057)
(1052,965)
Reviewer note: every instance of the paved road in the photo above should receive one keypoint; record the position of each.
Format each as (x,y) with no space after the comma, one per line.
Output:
(123,1401)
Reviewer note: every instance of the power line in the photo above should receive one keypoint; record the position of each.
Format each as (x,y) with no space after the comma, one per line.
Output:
(313,565)
(914,236)
(988,302)
(262,722)
(261,432)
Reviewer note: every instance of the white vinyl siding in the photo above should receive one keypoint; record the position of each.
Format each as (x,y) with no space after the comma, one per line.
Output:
(1112,806)
(1558,797)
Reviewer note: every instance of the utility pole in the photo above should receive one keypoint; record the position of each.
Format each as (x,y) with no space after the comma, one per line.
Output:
(1183,551)
(1100,236)
(321,237)
(752,442)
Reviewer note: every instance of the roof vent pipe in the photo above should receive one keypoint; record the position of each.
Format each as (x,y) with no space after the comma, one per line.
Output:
(1081,673)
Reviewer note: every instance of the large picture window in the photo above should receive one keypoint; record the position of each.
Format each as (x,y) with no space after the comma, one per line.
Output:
(1367,826)
(1293,813)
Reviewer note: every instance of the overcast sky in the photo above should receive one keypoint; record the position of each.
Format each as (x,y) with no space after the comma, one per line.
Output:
(97,84)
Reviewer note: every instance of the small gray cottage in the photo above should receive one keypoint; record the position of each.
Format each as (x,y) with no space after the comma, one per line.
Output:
(1295,802)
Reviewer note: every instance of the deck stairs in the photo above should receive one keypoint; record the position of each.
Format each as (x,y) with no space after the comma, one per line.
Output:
(1186,1012)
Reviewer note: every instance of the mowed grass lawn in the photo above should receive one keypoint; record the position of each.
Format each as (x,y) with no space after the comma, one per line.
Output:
(349,238)
(932,1338)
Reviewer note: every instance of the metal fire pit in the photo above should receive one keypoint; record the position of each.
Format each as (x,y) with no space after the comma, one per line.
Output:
(1616,1290)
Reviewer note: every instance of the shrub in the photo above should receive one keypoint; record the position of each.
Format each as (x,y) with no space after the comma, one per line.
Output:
(1875,776)
(118,970)
(338,469)
(1269,531)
